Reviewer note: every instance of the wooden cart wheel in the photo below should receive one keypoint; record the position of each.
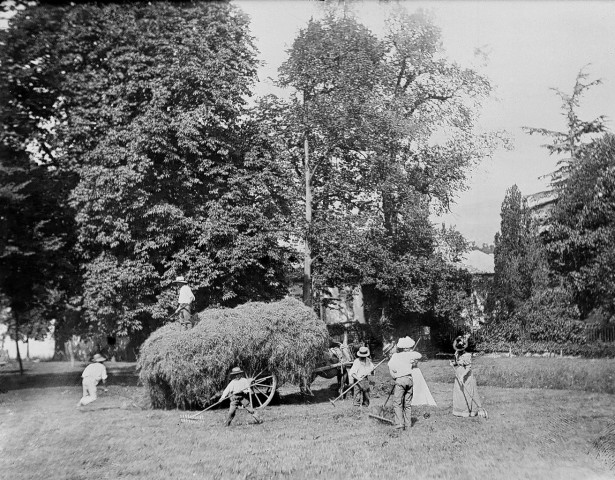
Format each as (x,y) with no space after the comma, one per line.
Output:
(263,389)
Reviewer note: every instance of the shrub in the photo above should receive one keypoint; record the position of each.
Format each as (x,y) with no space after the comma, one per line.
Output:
(589,350)
(186,368)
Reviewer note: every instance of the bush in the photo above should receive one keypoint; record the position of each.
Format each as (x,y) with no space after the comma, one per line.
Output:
(589,350)
(185,368)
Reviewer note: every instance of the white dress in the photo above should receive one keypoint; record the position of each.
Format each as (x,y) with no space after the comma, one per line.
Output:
(421,394)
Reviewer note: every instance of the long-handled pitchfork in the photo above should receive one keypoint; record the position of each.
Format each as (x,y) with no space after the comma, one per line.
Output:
(373,370)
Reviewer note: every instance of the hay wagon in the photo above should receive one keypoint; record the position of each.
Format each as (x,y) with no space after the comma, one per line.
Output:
(338,361)
(274,343)
(264,387)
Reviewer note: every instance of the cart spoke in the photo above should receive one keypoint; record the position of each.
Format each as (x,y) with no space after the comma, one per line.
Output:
(262,384)
(258,400)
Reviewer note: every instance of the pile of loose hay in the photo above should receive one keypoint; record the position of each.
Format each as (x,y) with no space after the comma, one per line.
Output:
(605,445)
(186,368)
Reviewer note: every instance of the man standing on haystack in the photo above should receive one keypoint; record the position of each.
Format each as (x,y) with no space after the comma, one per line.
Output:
(400,366)
(184,308)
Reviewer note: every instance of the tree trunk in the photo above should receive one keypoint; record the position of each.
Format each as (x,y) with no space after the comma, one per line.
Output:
(17,343)
(307,259)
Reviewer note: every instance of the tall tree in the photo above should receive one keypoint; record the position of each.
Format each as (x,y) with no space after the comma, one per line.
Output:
(373,116)
(512,283)
(148,114)
(580,240)
(332,67)
(578,131)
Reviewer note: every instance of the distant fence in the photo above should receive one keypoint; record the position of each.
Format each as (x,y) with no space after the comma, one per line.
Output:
(603,333)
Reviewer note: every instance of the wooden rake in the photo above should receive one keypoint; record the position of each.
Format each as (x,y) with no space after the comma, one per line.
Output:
(195,417)
(386,352)
(380,417)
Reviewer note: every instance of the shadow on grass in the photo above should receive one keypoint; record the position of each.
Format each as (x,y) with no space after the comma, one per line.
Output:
(321,395)
(12,380)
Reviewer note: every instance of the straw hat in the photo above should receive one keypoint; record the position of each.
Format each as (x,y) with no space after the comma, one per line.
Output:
(98,358)
(460,344)
(180,279)
(363,352)
(405,342)
(236,371)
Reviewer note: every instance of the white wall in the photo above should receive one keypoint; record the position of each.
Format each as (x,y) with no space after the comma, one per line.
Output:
(42,350)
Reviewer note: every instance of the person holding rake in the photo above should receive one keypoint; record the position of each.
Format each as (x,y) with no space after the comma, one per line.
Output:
(400,367)
(360,371)
(239,391)
(466,402)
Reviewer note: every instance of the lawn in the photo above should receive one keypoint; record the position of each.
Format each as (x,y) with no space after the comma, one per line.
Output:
(530,433)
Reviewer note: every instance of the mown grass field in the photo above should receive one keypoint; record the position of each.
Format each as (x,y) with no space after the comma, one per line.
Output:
(531,433)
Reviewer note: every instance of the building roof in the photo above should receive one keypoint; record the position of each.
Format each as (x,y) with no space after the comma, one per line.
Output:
(477,262)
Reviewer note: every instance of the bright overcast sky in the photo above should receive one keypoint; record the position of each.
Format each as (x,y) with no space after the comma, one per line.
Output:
(532,46)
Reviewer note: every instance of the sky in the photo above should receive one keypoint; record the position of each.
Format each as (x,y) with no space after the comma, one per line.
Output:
(532,47)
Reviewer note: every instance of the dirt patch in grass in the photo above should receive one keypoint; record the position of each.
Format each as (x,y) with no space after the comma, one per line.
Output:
(530,434)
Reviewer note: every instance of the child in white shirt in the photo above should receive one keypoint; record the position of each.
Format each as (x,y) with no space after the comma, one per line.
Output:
(238,389)
(93,373)
(360,371)
(400,367)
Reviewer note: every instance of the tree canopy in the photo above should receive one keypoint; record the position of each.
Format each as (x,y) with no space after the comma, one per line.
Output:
(142,108)
(582,231)
(361,129)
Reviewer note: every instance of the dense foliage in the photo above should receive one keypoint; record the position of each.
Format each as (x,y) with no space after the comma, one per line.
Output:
(140,109)
(130,121)
(187,367)
(361,130)
(582,232)
(548,280)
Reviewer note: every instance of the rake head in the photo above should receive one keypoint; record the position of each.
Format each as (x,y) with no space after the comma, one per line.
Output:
(381,419)
(383,414)
(187,418)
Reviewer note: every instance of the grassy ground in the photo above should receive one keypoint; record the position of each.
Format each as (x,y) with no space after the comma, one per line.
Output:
(530,434)
(589,375)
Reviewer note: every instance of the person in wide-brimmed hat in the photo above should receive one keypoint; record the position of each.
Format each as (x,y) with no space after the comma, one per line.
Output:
(239,390)
(359,373)
(184,307)
(400,367)
(93,373)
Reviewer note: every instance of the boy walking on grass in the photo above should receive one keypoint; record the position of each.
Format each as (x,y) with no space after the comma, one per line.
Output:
(239,390)
(93,373)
